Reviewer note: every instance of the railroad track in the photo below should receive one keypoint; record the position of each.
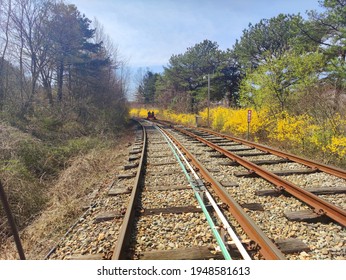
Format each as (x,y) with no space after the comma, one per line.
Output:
(205,195)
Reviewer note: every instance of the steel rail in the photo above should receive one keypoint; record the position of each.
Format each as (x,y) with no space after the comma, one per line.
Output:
(320,206)
(267,248)
(196,189)
(310,163)
(125,231)
(220,215)
(216,208)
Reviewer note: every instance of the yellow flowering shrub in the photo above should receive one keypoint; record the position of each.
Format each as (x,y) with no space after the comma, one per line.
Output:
(293,128)
(337,147)
(234,121)
(188,119)
(142,112)
(300,133)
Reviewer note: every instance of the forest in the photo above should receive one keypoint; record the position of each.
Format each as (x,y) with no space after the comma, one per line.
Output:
(288,69)
(56,65)
(62,99)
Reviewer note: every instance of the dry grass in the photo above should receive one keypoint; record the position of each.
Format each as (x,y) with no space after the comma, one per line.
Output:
(74,189)
(10,138)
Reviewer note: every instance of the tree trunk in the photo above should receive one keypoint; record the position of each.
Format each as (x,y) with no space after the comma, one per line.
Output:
(60,79)
(2,58)
(47,88)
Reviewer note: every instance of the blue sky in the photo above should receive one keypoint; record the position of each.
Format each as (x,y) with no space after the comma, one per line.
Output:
(149,32)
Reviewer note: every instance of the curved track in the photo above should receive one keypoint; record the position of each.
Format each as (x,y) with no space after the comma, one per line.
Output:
(187,194)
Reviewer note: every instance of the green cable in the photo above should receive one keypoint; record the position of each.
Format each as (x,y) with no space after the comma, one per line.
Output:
(219,240)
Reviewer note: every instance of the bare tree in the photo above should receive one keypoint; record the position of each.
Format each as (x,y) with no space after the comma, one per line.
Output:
(5,15)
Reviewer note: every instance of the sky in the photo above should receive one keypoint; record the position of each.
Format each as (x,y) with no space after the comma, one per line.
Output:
(148,32)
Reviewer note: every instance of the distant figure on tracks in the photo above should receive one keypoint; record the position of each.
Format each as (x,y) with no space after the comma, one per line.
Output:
(151,115)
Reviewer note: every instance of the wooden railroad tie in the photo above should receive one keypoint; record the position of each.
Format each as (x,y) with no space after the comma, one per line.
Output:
(107,216)
(86,257)
(241,149)
(291,245)
(117,191)
(228,184)
(316,190)
(193,141)
(134,152)
(258,162)
(226,144)
(201,145)
(130,166)
(229,163)
(306,216)
(252,154)
(270,162)
(278,172)
(218,156)
(126,176)
(214,138)
(194,253)
(287,246)
(253,206)
(213,170)
(192,209)
(134,157)
(160,142)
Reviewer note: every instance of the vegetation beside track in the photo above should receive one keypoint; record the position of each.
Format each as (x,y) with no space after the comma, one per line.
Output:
(289,70)
(33,163)
(59,99)
(48,185)
(322,140)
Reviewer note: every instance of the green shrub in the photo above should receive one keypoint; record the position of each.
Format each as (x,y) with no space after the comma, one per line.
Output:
(36,157)
(43,159)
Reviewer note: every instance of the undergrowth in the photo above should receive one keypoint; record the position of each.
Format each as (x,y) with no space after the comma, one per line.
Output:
(30,165)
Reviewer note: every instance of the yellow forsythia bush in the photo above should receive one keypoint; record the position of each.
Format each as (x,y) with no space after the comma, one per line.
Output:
(188,119)
(296,129)
(337,146)
(142,112)
(300,133)
(234,121)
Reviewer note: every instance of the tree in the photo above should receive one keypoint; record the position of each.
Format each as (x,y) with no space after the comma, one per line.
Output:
(49,51)
(5,15)
(28,20)
(146,91)
(328,29)
(273,36)
(278,83)
(186,71)
(228,78)
(69,35)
